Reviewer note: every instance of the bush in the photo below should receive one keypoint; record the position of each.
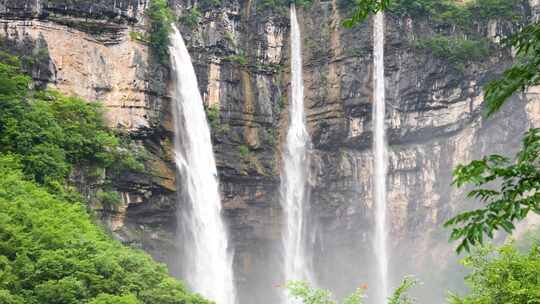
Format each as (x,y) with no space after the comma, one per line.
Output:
(161,18)
(307,295)
(456,49)
(51,132)
(109,198)
(51,252)
(191,17)
(280,5)
(455,12)
(243,150)
(212,114)
(502,275)
(240,59)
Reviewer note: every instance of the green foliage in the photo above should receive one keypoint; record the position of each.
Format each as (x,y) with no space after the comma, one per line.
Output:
(161,18)
(455,50)
(111,299)
(308,295)
(364,8)
(400,294)
(109,198)
(517,195)
(51,252)
(502,276)
(191,17)
(456,12)
(13,83)
(243,150)
(491,9)
(212,113)
(529,239)
(281,5)
(302,291)
(138,36)
(523,74)
(440,11)
(51,132)
(240,59)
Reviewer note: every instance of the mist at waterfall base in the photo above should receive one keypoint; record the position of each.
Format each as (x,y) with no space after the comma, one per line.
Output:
(206,259)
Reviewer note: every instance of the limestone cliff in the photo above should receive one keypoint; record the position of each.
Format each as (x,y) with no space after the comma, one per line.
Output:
(84,48)
(240,52)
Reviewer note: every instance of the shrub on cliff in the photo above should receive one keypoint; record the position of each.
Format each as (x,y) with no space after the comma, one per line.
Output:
(51,132)
(161,18)
(51,252)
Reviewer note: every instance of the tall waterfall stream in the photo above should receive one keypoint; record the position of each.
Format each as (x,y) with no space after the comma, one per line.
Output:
(207,259)
(380,158)
(295,170)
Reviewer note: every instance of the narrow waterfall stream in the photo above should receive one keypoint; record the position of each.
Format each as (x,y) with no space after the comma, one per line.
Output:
(295,169)
(207,262)
(380,158)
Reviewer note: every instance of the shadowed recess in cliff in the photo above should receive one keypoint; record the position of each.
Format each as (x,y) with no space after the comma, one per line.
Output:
(294,195)
(206,258)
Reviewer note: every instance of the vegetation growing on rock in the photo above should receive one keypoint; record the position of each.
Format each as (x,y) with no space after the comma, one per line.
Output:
(51,252)
(161,18)
(455,50)
(51,133)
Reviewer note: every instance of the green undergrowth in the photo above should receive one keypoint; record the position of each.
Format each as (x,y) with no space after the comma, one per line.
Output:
(460,13)
(461,16)
(52,253)
(212,114)
(455,24)
(281,7)
(455,50)
(51,133)
(191,17)
(160,17)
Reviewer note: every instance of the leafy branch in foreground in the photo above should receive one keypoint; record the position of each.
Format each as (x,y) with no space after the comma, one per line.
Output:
(400,294)
(364,8)
(517,194)
(308,295)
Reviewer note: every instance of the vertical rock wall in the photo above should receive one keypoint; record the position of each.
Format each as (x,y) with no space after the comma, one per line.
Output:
(240,50)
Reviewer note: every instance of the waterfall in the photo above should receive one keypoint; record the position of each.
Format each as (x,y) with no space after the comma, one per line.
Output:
(207,262)
(380,157)
(295,169)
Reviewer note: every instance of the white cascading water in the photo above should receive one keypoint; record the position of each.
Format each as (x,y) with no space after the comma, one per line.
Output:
(380,158)
(295,170)
(207,260)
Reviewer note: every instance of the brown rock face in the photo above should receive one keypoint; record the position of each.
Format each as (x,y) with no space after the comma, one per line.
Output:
(240,52)
(85,49)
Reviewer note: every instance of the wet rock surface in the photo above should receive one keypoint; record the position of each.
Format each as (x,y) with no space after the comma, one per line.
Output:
(240,51)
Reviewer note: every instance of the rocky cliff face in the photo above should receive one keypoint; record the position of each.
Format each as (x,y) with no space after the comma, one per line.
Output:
(240,52)
(84,48)
(434,123)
